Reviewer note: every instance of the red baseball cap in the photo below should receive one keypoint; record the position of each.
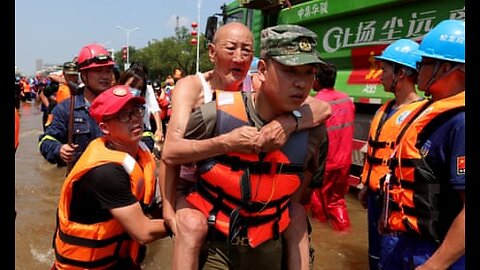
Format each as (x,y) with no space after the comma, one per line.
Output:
(111,101)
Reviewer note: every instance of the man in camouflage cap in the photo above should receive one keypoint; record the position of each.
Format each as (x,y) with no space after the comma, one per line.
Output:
(290,45)
(251,237)
(70,74)
(70,68)
(288,56)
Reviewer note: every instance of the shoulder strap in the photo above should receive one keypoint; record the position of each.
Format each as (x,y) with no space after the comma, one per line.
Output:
(436,122)
(377,135)
(383,119)
(207,91)
(407,125)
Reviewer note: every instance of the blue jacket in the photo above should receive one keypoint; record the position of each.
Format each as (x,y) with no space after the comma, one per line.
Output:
(56,133)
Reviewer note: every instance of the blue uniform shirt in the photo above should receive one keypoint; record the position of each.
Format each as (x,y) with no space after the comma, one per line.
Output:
(445,151)
(56,133)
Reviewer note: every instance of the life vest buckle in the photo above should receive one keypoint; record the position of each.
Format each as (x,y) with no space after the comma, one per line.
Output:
(239,241)
(386,162)
(212,219)
(389,144)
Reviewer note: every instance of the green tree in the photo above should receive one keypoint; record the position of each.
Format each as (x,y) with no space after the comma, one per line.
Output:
(163,56)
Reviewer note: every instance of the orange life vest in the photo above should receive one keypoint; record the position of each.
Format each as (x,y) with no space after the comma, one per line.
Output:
(101,245)
(63,93)
(26,87)
(382,137)
(248,193)
(414,190)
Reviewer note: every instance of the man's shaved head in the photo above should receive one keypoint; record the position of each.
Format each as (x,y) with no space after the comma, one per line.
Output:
(230,29)
(231,53)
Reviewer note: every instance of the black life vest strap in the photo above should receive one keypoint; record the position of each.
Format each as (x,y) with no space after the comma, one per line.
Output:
(207,190)
(381,144)
(90,243)
(410,121)
(408,162)
(377,135)
(87,265)
(252,207)
(245,187)
(245,222)
(236,164)
(212,215)
(394,163)
(435,123)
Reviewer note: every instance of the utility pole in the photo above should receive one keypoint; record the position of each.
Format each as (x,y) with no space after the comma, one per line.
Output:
(128,31)
(199,4)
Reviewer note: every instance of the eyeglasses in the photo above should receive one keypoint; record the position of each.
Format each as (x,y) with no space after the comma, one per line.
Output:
(420,64)
(126,116)
(97,59)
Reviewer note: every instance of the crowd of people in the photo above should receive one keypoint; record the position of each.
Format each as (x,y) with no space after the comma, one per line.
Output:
(230,161)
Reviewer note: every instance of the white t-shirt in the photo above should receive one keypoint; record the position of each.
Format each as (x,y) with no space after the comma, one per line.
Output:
(151,105)
(187,172)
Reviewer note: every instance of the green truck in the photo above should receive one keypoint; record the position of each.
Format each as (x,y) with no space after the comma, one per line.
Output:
(350,34)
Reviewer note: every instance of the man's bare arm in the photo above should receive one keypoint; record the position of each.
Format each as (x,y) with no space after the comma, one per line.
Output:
(140,227)
(167,180)
(178,150)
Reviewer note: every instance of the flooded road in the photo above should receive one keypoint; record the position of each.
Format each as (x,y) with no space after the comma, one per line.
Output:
(37,188)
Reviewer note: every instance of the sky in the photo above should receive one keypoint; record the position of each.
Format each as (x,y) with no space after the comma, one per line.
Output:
(56,30)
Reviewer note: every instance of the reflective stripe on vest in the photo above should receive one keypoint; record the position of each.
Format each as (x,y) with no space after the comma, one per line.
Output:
(340,128)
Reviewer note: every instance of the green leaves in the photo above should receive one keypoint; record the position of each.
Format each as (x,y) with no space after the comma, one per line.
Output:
(163,56)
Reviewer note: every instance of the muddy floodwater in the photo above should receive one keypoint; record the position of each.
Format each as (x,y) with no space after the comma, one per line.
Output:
(37,189)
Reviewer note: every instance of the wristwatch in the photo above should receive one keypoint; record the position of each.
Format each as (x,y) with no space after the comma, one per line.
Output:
(298,117)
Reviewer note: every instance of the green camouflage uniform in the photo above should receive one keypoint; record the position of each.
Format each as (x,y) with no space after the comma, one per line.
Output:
(289,45)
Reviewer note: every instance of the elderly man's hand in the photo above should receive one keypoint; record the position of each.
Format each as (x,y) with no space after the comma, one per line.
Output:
(274,135)
(243,139)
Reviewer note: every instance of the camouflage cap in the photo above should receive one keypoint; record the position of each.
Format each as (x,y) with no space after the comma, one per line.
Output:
(291,45)
(70,68)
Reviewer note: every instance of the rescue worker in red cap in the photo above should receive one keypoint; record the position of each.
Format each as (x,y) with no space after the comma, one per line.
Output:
(109,201)
(96,70)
